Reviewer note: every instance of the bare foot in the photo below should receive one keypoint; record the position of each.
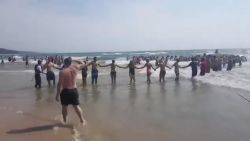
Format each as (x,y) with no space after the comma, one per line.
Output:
(83,122)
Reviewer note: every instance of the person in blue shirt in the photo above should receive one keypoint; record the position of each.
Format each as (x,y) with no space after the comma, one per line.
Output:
(194,65)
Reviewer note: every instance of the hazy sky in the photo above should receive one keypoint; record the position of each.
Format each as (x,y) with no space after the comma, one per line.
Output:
(122,25)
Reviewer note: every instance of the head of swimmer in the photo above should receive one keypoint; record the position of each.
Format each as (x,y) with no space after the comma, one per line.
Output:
(95,59)
(147,60)
(113,61)
(67,61)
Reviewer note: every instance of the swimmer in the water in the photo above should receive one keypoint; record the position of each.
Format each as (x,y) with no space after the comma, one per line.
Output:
(149,66)
(67,89)
(112,71)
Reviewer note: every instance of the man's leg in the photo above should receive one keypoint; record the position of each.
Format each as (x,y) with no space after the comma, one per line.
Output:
(54,81)
(96,77)
(64,113)
(49,83)
(39,81)
(114,78)
(92,78)
(79,113)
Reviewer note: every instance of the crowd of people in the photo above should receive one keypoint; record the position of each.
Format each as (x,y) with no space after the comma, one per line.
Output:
(67,89)
(204,63)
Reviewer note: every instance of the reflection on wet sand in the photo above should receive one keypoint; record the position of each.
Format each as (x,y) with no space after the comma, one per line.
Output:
(132,95)
(39,94)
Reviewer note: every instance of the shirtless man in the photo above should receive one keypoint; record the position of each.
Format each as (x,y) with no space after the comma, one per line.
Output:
(94,71)
(50,73)
(149,67)
(112,71)
(162,65)
(66,89)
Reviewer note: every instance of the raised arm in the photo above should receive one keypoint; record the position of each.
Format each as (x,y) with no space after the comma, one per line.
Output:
(80,65)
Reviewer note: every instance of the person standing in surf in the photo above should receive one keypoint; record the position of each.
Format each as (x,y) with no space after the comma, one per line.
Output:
(67,89)
(202,67)
(162,65)
(27,61)
(149,66)
(38,71)
(176,69)
(84,74)
(2,61)
(194,65)
(94,71)
(132,68)
(50,75)
(112,71)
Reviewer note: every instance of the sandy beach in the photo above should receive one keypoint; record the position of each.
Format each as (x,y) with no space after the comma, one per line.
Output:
(187,110)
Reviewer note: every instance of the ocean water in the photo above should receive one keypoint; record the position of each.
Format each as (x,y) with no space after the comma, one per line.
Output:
(238,78)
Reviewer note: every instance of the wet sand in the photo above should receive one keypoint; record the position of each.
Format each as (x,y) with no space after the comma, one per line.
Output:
(172,111)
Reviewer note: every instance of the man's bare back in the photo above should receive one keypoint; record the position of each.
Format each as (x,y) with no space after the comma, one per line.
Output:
(68,77)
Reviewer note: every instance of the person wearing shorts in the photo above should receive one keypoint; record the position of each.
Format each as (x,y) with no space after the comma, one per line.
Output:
(67,90)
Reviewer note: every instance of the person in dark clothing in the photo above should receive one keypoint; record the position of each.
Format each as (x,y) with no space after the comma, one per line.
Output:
(208,64)
(27,61)
(38,71)
(84,74)
(194,65)
(202,67)
(229,64)
(2,61)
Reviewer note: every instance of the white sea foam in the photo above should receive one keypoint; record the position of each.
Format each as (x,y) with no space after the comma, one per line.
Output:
(118,53)
(78,57)
(238,78)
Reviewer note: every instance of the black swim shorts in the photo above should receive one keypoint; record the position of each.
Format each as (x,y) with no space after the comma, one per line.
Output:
(50,75)
(69,97)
